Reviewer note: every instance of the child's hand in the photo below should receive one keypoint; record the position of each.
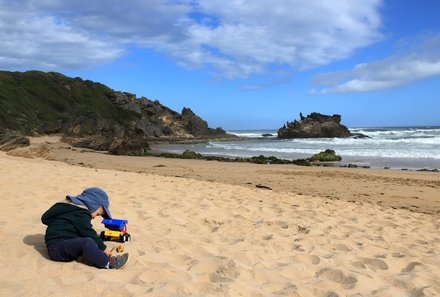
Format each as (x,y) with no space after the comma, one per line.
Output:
(108,251)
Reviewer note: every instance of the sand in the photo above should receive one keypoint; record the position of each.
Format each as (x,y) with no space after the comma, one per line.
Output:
(209,237)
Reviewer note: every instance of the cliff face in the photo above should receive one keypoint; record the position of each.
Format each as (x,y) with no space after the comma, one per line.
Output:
(314,125)
(90,114)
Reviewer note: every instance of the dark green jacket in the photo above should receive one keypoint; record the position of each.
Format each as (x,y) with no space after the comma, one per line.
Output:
(68,220)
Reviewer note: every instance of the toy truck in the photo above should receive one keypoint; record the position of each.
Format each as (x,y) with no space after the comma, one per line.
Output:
(117,230)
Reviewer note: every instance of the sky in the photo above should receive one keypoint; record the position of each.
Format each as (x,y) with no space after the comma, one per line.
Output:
(242,64)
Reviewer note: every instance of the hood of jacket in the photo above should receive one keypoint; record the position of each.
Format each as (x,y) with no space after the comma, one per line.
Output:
(60,208)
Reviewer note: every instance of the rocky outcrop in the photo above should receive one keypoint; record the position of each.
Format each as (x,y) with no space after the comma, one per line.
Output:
(314,125)
(196,126)
(9,141)
(326,156)
(91,115)
(188,154)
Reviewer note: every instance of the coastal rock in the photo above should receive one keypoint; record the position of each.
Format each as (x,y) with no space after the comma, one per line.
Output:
(189,154)
(197,126)
(133,143)
(193,123)
(358,136)
(326,156)
(91,115)
(121,98)
(314,125)
(9,142)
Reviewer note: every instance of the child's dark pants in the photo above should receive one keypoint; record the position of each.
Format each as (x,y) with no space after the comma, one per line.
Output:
(71,249)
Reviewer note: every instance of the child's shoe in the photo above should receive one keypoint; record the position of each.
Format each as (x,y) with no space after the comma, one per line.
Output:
(119,261)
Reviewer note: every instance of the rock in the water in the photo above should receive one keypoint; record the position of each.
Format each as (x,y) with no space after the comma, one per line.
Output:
(358,136)
(189,154)
(326,156)
(315,125)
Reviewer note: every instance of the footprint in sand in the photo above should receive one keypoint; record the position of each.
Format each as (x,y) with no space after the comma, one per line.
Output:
(228,269)
(337,276)
(418,292)
(288,289)
(315,260)
(225,272)
(342,248)
(410,266)
(375,263)
(358,264)
(282,224)
(216,278)
(303,229)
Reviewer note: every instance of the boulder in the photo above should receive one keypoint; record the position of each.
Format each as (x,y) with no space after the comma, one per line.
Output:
(133,142)
(189,154)
(193,123)
(9,142)
(196,126)
(314,125)
(358,136)
(326,156)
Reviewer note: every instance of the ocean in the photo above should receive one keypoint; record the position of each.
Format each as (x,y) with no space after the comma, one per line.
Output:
(393,147)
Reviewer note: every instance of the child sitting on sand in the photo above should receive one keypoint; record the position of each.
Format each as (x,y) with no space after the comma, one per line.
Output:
(70,234)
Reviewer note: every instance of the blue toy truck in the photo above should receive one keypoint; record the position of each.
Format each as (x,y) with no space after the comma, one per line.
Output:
(117,230)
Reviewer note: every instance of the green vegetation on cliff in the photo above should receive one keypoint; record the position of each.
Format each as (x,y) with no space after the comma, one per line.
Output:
(30,100)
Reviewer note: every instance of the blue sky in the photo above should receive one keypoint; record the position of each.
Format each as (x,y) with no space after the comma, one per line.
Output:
(242,64)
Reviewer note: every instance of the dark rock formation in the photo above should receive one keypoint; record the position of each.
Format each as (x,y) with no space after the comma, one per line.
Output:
(315,125)
(9,141)
(196,126)
(133,142)
(188,154)
(326,156)
(358,136)
(91,115)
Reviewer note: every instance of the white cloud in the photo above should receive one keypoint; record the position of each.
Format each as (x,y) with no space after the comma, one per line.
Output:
(421,60)
(235,38)
(41,42)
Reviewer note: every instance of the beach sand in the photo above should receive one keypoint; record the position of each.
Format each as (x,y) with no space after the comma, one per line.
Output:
(204,229)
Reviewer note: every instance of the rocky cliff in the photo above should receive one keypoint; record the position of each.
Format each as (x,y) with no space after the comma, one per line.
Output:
(315,125)
(92,115)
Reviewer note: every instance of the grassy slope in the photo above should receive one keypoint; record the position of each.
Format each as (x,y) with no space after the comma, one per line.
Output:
(31,99)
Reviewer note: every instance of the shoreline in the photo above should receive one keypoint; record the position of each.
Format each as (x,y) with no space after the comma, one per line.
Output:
(202,228)
(396,163)
(416,191)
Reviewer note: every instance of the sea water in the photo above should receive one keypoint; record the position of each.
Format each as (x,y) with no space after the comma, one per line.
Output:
(395,147)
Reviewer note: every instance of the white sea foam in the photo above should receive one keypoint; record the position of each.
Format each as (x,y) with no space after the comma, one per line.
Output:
(254,133)
(414,147)
(411,142)
(368,150)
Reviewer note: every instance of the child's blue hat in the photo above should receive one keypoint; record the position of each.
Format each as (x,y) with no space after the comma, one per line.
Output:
(93,198)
